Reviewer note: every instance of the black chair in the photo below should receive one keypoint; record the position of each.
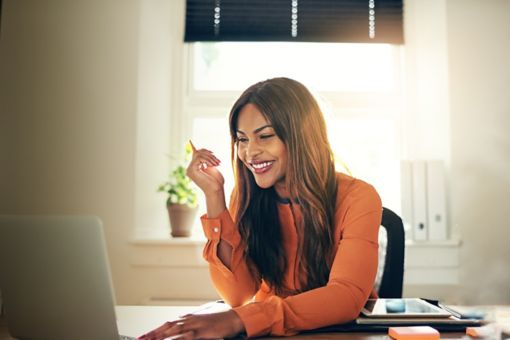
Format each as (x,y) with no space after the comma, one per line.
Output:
(392,278)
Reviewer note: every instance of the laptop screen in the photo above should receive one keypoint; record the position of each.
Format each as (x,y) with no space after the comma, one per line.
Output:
(55,278)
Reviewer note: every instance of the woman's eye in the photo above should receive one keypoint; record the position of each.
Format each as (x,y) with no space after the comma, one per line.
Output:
(242,139)
(266,136)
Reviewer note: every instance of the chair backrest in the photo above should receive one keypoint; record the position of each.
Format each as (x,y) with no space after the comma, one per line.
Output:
(393,269)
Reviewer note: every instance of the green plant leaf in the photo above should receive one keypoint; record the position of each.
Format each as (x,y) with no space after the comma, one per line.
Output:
(179,187)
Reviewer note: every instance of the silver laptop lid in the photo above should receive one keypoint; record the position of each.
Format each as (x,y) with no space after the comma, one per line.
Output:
(55,278)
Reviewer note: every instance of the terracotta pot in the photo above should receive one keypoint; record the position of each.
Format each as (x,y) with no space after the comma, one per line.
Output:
(181,219)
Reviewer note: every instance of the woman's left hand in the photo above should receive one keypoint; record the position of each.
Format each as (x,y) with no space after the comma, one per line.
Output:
(199,326)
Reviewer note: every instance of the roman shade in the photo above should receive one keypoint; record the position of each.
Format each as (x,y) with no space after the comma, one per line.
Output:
(364,21)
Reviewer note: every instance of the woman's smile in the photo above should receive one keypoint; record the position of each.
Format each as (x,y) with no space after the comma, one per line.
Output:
(262,167)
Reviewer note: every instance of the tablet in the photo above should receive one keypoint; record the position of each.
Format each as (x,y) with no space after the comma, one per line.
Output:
(402,308)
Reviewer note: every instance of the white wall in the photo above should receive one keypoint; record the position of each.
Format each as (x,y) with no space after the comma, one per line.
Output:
(86,97)
(478,34)
(68,76)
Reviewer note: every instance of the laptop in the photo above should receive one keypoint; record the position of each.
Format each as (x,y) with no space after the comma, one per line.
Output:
(55,278)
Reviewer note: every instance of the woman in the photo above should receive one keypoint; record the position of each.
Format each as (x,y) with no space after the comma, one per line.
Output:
(297,249)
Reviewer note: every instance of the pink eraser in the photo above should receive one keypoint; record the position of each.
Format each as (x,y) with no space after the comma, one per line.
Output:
(413,333)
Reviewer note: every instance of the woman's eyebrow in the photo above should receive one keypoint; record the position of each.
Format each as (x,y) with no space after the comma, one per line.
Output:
(257,130)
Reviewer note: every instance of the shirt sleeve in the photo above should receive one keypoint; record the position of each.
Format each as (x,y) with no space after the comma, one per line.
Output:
(237,285)
(350,282)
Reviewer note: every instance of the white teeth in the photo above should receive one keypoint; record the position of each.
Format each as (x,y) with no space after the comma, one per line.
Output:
(261,165)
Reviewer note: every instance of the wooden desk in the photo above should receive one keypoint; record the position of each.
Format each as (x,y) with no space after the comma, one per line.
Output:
(136,320)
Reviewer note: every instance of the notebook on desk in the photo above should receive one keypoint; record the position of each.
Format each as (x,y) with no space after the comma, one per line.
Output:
(447,320)
(415,312)
(55,278)
(402,308)
(359,325)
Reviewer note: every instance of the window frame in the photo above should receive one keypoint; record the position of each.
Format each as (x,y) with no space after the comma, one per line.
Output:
(347,105)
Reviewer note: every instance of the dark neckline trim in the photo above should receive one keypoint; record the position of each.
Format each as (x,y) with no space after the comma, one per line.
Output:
(282,200)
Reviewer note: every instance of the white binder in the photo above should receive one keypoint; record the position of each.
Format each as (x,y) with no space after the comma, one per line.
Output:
(419,191)
(406,183)
(436,201)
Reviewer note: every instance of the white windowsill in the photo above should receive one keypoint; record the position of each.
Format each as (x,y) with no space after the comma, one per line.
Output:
(158,240)
(426,262)
(162,237)
(433,244)
(170,241)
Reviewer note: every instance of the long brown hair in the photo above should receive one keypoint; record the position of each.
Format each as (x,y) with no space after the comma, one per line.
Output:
(310,180)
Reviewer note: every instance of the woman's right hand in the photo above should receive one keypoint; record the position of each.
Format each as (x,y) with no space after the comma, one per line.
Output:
(204,172)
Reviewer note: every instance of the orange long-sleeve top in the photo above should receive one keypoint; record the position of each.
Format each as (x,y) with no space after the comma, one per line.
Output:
(357,220)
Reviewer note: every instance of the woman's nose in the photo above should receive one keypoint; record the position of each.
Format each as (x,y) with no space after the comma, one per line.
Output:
(253,149)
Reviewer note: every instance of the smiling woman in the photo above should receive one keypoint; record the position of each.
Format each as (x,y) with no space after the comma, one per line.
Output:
(296,235)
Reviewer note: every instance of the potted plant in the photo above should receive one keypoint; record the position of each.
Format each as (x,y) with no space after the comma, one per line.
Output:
(182,199)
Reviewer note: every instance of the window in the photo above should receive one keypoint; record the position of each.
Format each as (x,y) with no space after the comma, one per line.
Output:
(325,67)
(358,86)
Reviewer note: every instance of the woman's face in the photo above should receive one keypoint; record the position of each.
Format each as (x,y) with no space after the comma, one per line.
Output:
(261,150)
